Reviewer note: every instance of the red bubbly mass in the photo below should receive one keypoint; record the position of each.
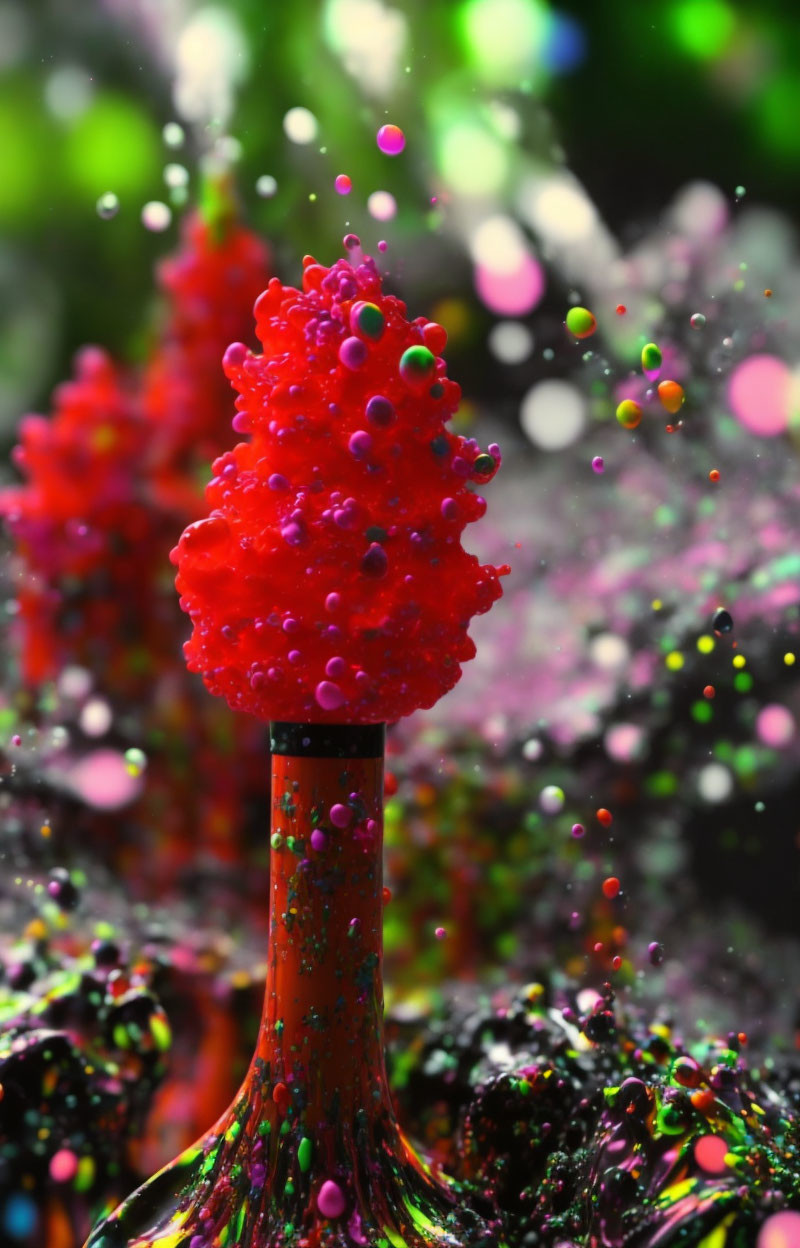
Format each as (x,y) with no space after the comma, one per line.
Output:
(329,582)
(209,286)
(78,517)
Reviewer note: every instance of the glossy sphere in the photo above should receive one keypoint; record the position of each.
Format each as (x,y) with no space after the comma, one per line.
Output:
(329,582)
(581,322)
(391,140)
(671,395)
(629,414)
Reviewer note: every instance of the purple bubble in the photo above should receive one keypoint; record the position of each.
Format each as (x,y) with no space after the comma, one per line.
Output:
(380,411)
(353,353)
(329,696)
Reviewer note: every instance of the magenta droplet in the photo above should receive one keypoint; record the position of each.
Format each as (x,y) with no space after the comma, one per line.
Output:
(598,464)
(329,696)
(330,1200)
(353,353)
(340,816)
(391,140)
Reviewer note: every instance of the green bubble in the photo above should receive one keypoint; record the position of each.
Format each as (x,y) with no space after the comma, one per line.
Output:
(629,414)
(581,322)
(651,358)
(417,362)
(304,1150)
(369,320)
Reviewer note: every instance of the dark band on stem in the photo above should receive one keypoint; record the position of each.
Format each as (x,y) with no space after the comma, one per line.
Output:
(327,740)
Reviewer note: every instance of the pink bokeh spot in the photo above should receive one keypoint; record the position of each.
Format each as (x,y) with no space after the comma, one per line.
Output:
(782,1230)
(103,781)
(710,1152)
(775,726)
(759,393)
(511,294)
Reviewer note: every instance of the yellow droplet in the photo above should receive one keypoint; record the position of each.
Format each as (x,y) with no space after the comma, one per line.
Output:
(788,659)
(705,644)
(739,660)
(656,604)
(674,660)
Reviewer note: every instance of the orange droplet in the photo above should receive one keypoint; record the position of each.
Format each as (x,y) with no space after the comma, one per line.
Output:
(714,475)
(387,895)
(671,395)
(709,691)
(604,816)
(768,293)
(611,887)
(621,309)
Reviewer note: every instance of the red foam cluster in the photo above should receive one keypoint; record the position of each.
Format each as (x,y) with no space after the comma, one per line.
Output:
(329,582)
(115,470)
(210,286)
(79,518)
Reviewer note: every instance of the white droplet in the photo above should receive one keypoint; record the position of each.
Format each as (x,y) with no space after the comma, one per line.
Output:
(173,135)
(300,125)
(552,415)
(266,186)
(176,176)
(510,342)
(107,206)
(156,216)
(382,205)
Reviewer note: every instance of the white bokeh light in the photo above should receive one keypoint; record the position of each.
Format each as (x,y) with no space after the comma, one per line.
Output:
(510,342)
(552,415)
(300,125)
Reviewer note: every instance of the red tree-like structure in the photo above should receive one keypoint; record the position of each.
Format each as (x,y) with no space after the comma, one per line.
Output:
(329,592)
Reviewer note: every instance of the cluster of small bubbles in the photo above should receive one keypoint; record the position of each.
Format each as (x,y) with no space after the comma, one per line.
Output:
(156,216)
(266,186)
(107,206)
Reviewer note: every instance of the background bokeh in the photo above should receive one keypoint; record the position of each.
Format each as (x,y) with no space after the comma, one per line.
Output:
(640,160)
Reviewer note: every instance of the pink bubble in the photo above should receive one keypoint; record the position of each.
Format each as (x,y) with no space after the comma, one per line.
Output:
(102,779)
(330,1200)
(514,293)
(343,184)
(329,696)
(759,392)
(340,816)
(775,726)
(598,464)
(710,1152)
(624,742)
(63,1165)
(440,933)
(781,1230)
(391,140)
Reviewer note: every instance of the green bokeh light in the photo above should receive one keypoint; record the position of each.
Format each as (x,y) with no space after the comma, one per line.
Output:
(703,28)
(503,39)
(113,147)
